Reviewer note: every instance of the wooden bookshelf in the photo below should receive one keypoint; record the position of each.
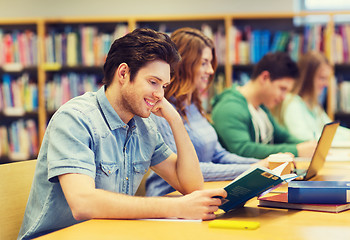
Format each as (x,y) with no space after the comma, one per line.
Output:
(19,80)
(44,70)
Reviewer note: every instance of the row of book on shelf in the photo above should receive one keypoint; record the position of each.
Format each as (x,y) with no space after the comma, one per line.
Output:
(19,140)
(248,45)
(18,47)
(87,45)
(63,87)
(18,94)
(80,45)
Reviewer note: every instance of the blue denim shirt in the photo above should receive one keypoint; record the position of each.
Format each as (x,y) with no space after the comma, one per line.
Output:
(86,136)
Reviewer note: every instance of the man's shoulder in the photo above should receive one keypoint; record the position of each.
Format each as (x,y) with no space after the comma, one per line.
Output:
(232,103)
(228,96)
(85,104)
(81,108)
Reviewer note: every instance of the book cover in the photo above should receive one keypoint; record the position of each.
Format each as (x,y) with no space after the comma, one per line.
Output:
(252,183)
(281,201)
(329,192)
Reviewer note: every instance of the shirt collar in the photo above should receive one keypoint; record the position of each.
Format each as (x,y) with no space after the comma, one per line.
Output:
(112,118)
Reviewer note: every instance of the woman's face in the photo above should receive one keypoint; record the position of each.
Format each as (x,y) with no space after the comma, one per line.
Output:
(322,76)
(204,71)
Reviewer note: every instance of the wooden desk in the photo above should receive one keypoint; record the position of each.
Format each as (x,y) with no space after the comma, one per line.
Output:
(275,223)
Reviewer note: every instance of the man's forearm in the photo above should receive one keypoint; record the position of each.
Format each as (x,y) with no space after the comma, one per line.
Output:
(188,170)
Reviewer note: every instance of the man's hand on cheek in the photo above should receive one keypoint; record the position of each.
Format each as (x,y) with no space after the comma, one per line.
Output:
(164,109)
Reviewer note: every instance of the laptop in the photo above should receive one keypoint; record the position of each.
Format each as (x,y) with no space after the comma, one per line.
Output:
(319,157)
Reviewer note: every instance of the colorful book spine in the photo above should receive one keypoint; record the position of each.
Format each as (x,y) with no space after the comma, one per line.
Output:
(67,86)
(19,140)
(80,46)
(18,94)
(18,47)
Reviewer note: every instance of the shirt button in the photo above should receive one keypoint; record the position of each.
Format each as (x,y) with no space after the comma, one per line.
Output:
(127,178)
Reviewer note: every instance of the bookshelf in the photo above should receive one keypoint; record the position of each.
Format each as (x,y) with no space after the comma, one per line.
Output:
(73,54)
(19,90)
(69,53)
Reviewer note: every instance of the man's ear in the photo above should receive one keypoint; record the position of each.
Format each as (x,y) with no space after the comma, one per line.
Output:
(122,72)
(264,77)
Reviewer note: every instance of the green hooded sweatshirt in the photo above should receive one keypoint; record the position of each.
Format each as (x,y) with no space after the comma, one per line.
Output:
(234,126)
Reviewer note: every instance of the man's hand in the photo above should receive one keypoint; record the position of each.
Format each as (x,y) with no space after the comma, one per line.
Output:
(306,149)
(200,204)
(263,163)
(164,109)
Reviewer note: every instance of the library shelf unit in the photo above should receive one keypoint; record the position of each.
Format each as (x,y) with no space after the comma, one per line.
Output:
(19,89)
(73,50)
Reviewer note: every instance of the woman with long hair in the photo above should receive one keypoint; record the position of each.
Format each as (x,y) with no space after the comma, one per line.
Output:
(192,76)
(301,112)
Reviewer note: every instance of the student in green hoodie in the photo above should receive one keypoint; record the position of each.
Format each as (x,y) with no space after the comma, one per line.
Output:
(241,117)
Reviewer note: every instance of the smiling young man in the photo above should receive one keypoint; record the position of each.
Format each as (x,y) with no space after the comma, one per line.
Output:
(98,146)
(241,116)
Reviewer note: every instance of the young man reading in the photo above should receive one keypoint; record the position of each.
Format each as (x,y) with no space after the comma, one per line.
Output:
(241,116)
(98,146)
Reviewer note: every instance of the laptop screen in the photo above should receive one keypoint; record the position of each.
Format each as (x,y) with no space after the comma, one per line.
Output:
(322,148)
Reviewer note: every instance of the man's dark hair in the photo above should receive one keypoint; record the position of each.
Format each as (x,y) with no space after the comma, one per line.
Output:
(278,64)
(137,49)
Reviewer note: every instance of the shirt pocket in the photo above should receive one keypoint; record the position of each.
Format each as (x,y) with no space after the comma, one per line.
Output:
(107,176)
(140,169)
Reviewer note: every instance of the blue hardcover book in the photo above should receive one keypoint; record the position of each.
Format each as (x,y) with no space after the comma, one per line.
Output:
(322,192)
(265,43)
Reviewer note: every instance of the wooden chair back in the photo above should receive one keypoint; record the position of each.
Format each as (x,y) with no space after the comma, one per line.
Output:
(15,182)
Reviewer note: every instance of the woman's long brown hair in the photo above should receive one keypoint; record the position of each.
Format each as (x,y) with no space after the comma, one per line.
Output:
(308,65)
(190,44)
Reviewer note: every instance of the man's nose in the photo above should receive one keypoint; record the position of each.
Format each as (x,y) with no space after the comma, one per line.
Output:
(159,93)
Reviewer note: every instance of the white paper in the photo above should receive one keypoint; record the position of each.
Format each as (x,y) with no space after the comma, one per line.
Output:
(171,220)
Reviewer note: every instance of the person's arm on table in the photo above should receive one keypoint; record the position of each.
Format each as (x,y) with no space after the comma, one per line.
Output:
(87,202)
(182,172)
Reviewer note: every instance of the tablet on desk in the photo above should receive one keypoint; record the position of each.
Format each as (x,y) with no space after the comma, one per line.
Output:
(319,157)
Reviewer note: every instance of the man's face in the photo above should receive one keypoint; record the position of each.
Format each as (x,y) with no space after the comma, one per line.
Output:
(276,91)
(140,96)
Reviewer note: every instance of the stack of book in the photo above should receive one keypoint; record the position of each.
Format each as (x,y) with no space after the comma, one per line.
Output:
(323,196)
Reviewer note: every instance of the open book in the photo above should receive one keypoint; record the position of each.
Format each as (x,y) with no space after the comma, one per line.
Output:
(254,182)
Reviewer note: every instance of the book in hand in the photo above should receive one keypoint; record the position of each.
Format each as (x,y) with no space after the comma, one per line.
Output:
(328,192)
(281,201)
(254,182)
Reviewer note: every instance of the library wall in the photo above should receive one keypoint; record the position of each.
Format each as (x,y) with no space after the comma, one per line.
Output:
(93,8)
